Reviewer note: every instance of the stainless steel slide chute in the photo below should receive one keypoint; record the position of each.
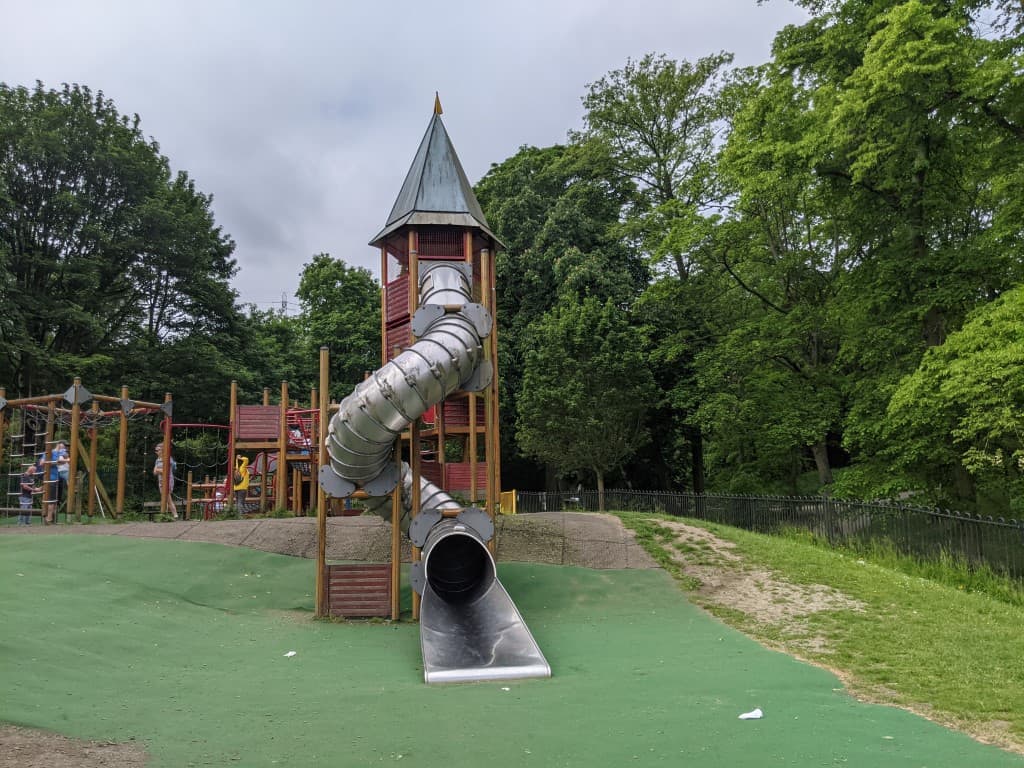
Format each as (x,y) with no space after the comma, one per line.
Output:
(469,627)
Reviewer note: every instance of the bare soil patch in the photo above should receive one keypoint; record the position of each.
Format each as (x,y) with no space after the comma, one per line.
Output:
(26,748)
(765,598)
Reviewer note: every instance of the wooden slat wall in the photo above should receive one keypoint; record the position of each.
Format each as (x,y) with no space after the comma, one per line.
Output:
(359,590)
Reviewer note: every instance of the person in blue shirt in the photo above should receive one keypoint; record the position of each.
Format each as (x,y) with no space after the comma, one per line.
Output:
(59,463)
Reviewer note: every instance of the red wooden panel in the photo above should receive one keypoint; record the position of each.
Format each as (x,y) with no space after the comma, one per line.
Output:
(397,299)
(456,412)
(399,336)
(457,475)
(431,470)
(257,422)
(440,244)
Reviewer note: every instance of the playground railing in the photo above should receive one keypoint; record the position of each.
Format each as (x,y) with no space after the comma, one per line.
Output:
(925,532)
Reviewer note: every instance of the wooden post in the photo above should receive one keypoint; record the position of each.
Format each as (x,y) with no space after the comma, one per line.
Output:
(3,425)
(383,305)
(494,467)
(396,546)
(167,461)
(439,424)
(321,497)
(232,437)
(122,455)
(48,488)
(485,289)
(414,275)
(93,448)
(472,448)
(76,419)
(188,497)
(414,449)
(281,502)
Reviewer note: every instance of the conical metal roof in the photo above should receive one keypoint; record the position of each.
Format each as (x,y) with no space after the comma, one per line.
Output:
(436,190)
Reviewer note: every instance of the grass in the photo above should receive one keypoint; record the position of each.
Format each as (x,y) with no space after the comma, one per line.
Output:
(935,637)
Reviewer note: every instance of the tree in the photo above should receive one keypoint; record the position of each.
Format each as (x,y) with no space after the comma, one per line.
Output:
(661,122)
(103,249)
(962,409)
(556,209)
(585,389)
(783,247)
(911,130)
(340,310)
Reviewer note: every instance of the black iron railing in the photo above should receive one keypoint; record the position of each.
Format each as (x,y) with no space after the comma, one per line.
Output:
(921,531)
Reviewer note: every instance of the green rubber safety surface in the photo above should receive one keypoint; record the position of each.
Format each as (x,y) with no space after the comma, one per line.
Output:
(181,647)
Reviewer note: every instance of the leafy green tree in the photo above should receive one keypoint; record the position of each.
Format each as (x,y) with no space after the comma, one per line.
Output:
(585,390)
(782,247)
(103,249)
(556,210)
(958,416)
(275,350)
(340,310)
(661,123)
(910,131)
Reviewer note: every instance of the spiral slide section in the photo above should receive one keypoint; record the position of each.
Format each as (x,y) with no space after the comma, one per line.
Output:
(469,627)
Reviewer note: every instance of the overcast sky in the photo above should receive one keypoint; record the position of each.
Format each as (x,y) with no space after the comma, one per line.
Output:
(302,118)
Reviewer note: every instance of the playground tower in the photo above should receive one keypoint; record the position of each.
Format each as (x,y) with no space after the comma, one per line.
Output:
(423,428)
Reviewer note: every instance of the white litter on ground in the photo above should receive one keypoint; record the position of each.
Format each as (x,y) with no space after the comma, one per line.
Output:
(754,714)
(289,654)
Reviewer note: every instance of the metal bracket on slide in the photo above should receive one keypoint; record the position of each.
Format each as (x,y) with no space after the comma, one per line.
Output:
(417,577)
(383,483)
(424,317)
(421,525)
(478,315)
(333,484)
(480,378)
(479,521)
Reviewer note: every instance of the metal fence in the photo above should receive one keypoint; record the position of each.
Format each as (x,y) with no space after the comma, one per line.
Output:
(920,531)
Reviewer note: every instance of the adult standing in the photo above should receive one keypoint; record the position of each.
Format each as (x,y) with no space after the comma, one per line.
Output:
(58,465)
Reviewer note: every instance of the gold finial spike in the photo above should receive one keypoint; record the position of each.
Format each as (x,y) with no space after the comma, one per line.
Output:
(437,104)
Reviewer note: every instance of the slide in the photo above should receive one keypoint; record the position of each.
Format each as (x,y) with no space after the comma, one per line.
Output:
(469,627)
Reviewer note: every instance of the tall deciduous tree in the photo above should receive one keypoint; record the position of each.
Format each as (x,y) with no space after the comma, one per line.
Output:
(962,407)
(100,243)
(784,247)
(585,389)
(341,310)
(662,122)
(556,209)
(912,123)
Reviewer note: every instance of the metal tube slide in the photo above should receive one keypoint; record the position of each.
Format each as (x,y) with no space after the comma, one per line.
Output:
(448,356)
(470,630)
(469,627)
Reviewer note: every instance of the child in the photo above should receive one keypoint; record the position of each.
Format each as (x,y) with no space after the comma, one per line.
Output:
(158,472)
(28,488)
